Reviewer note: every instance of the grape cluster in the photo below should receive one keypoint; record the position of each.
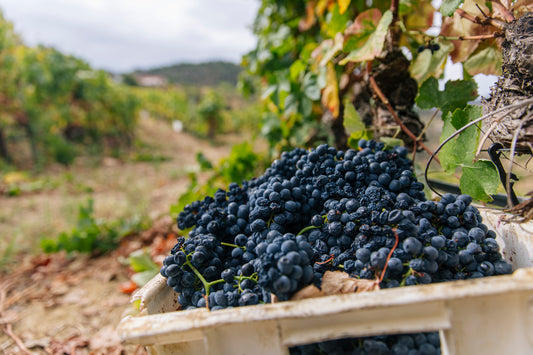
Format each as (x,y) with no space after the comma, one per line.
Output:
(358,211)
(285,265)
(405,344)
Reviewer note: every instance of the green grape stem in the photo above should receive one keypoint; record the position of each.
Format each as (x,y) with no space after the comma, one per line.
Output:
(232,245)
(306,229)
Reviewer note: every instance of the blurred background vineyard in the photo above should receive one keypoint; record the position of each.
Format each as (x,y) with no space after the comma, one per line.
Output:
(70,134)
(56,107)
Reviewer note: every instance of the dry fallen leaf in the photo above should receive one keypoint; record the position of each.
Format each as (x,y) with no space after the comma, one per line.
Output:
(107,337)
(338,282)
(310,291)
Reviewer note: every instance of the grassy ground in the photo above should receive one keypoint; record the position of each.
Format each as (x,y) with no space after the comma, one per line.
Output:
(82,299)
(145,183)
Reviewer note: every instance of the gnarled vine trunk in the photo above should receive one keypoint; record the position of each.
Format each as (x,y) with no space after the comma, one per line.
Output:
(513,86)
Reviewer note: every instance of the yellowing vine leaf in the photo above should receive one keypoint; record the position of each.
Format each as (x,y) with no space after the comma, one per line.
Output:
(343,5)
(336,283)
(309,20)
(429,64)
(372,47)
(328,49)
(419,15)
(330,94)
(457,26)
(487,61)
(364,24)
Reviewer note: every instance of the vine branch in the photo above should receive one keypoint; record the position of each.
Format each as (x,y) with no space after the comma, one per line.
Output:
(474,19)
(386,102)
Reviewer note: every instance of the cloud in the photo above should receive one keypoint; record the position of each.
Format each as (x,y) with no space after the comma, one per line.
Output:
(121,35)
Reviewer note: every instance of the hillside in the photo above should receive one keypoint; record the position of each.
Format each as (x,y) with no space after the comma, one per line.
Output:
(201,74)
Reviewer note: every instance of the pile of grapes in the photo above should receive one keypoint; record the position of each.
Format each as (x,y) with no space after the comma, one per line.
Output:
(362,212)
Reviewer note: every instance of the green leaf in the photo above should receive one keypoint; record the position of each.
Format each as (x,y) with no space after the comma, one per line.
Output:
(140,261)
(456,95)
(306,107)
(142,278)
(480,180)
(352,120)
(374,45)
(488,61)
(290,104)
(204,163)
(343,5)
(353,139)
(429,94)
(391,142)
(296,68)
(337,22)
(310,86)
(448,7)
(460,151)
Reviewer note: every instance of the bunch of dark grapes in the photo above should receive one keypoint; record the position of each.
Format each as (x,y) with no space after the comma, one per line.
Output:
(285,265)
(405,344)
(358,211)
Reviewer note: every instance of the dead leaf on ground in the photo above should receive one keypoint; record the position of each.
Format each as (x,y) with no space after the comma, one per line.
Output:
(76,296)
(68,346)
(38,343)
(107,337)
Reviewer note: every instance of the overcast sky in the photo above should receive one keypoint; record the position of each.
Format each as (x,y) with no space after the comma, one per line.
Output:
(122,35)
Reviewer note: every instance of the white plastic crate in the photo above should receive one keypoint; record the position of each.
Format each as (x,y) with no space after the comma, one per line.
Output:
(492,315)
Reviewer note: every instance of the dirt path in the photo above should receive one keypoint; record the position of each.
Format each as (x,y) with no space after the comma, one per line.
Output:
(71,305)
(119,188)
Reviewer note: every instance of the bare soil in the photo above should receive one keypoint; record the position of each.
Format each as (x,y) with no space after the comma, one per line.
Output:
(59,304)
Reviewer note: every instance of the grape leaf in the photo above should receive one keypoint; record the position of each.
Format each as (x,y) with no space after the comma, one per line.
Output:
(343,5)
(309,20)
(338,43)
(374,45)
(480,180)
(391,142)
(417,14)
(352,120)
(364,24)
(429,94)
(429,64)
(354,138)
(296,68)
(330,94)
(140,261)
(337,22)
(456,95)
(448,7)
(142,278)
(487,61)
(458,26)
(310,86)
(460,150)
